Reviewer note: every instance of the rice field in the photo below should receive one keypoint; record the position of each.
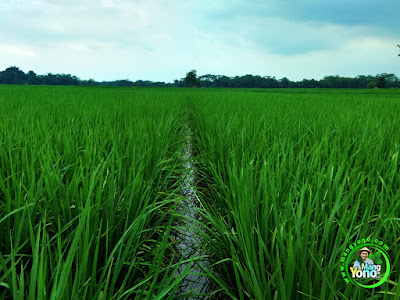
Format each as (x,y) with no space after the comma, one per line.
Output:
(91,184)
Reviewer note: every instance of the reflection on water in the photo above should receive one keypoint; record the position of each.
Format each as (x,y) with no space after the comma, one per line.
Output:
(190,243)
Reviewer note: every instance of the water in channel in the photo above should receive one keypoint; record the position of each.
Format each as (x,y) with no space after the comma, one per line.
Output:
(190,243)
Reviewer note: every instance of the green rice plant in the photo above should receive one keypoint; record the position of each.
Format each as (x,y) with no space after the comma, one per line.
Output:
(290,179)
(89,182)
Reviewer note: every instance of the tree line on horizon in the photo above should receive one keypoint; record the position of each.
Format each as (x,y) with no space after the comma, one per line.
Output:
(13,75)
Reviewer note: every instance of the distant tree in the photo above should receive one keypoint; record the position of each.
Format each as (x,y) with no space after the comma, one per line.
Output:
(191,79)
(13,75)
(284,82)
(308,83)
(381,83)
(399,48)
(32,78)
(179,83)
(59,79)
(223,81)
(270,82)
(392,81)
(49,79)
(246,81)
(90,82)
(124,82)
(208,80)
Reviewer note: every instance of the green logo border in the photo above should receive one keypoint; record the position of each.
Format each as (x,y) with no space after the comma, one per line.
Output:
(385,255)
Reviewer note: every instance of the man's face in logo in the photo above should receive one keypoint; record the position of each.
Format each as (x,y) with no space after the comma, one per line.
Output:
(364,255)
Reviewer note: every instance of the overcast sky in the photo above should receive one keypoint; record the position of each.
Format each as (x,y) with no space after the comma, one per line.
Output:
(162,40)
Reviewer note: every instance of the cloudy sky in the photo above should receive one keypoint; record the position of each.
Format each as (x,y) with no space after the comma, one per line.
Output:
(162,40)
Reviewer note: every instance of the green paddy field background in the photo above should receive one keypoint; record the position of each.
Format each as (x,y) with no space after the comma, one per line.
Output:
(90,183)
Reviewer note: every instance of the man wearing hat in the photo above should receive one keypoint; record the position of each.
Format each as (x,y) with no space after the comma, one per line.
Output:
(363,252)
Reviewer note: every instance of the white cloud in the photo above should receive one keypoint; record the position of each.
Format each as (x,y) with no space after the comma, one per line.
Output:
(16,50)
(162,40)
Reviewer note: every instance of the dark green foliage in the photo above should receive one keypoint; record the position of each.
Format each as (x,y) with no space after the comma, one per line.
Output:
(14,75)
(191,79)
(381,83)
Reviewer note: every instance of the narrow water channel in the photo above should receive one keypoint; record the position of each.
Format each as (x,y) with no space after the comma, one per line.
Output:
(190,243)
